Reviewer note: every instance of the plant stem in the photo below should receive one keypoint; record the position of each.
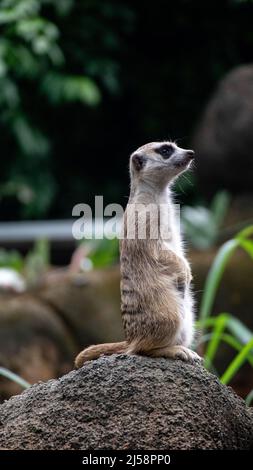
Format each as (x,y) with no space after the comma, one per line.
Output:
(214,277)
(249,398)
(14,377)
(237,363)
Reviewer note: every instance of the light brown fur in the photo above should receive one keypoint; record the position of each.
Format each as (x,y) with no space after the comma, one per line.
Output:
(155,279)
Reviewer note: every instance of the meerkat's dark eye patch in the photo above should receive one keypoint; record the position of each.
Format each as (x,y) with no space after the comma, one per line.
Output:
(138,161)
(165,150)
(181,286)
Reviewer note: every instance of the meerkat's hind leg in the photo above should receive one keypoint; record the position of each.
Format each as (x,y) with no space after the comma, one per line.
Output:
(176,352)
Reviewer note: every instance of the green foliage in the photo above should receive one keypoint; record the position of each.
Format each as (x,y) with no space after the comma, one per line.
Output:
(237,362)
(102,253)
(225,327)
(216,272)
(37,261)
(33,265)
(11,259)
(249,398)
(202,225)
(88,81)
(69,88)
(33,65)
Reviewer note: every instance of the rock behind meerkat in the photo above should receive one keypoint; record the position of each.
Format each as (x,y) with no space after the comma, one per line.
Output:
(156,301)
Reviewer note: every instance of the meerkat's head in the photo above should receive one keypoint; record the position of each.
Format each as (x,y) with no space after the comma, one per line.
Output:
(159,162)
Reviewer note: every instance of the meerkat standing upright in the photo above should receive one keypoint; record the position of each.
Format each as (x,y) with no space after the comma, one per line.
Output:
(156,301)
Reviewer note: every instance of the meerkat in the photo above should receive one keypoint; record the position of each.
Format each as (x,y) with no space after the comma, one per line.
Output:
(156,298)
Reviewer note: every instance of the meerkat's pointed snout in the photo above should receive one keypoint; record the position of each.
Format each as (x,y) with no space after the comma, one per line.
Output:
(191,154)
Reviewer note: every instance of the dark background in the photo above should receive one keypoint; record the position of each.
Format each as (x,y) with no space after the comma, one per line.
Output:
(153,65)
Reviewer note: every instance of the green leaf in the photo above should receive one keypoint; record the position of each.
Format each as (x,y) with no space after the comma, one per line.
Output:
(215,275)
(30,139)
(219,207)
(201,224)
(16,10)
(245,233)
(11,259)
(103,252)
(14,377)
(82,89)
(213,344)
(37,261)
(35,27)
(231,341)
(235,365)
(71,88)
(247,245)
(249,398)
(239,330)
(235,326)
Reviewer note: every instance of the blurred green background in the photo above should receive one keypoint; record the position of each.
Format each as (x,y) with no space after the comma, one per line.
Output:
(83,83)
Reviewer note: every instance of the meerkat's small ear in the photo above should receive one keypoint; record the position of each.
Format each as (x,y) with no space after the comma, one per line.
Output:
(138,161)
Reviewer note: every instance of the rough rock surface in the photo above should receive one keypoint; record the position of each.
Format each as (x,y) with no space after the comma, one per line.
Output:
(34,342)
(42,330)
(123,402)
(224,136)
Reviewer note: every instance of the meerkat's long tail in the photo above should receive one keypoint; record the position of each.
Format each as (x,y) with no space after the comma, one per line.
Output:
(94,352)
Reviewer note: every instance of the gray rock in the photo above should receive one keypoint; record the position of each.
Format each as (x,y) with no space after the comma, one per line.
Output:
(128,402)
(224,138)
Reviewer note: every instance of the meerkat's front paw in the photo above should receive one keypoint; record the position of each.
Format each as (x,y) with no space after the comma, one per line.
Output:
(183,353)
(193,356)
